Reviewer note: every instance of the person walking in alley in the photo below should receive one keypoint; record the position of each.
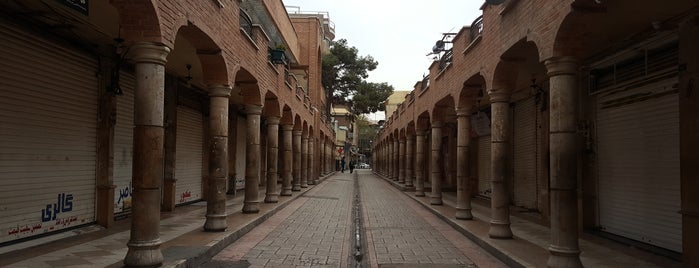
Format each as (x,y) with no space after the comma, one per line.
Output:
(351,166)
(342,165)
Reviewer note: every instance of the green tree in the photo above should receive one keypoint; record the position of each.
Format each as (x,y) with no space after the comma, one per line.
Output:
(344,74)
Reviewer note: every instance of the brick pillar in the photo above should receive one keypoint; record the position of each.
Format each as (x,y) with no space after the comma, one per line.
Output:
(218,158)
(420,162)
(148,135)
(463,191)
(288,159)
(409,160)
(304,161)
(252,160)
(563,97)
(436,196)
(271,195)
(401,160)
(500,148)
(297,160)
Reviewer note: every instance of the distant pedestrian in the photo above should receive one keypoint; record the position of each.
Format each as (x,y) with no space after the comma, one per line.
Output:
(342,164)
(351,166)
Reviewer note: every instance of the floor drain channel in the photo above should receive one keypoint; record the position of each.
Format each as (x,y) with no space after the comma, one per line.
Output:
(358,253)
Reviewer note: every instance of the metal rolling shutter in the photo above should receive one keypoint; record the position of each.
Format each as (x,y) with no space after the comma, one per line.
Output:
(123,144)
(48,121)
(524,142)
(484,187)
(639,167)
(188,159)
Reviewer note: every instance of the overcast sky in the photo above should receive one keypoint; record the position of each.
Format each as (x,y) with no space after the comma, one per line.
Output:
(398,34)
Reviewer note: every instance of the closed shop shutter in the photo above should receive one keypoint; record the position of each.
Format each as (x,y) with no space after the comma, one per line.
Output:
(48,119)
(639,167)
(240,152)
(484,187)
(188,159)
(123,144)
(524,142)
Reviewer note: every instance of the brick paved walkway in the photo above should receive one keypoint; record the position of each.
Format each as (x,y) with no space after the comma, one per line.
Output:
(313,231)
(400,231)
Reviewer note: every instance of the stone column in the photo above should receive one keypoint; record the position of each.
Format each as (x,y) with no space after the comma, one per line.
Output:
(396,159)
(389,159)
(297,160)
(689,139)
(409,160)
(271,195)
(314,161)
(311,155)
(463,191)
(436,196)
(420,162)
(252,160)
(500,147)
(288,159)
(304,161)
(401,160)
(148,135)
(563,97)
(218,158)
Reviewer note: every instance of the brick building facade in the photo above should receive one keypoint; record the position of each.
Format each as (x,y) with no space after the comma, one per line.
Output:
(580,111)
(127,108)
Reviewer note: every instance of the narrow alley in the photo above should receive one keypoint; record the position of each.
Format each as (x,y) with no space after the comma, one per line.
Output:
(315,230)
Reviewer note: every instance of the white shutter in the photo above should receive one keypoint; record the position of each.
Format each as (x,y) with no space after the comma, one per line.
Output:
(188,158)
(123,144)
(524,142)
(484,187)
(639,167)
(48,121)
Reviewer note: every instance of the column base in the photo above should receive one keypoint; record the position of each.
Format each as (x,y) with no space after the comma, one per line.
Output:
(251,207)
(316,182)
(144,254)
(304,185)
(463,214)
(500,230)
(271,198)
(436,200)
(296,188)
(419,193)
(564,257)
(311,182)
(286,192)
(215,223)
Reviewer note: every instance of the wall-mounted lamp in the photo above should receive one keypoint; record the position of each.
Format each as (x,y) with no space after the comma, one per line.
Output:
(539,95)
(189,77)
(117,61)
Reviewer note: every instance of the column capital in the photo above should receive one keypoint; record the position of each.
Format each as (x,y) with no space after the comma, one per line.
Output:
(253,109)
(287,127)
(561,66)
(297,132)
(401,139)
(220,91)
(499,95)
(147,52)
(437,124)
(273,120)
(463,111)
(420,132)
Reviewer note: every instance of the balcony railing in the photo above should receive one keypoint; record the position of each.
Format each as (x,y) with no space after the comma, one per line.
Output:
(476,28)
(245,22)
(446,59)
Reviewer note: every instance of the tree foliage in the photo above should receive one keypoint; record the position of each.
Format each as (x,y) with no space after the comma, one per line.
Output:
(344,74)
(369,97)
